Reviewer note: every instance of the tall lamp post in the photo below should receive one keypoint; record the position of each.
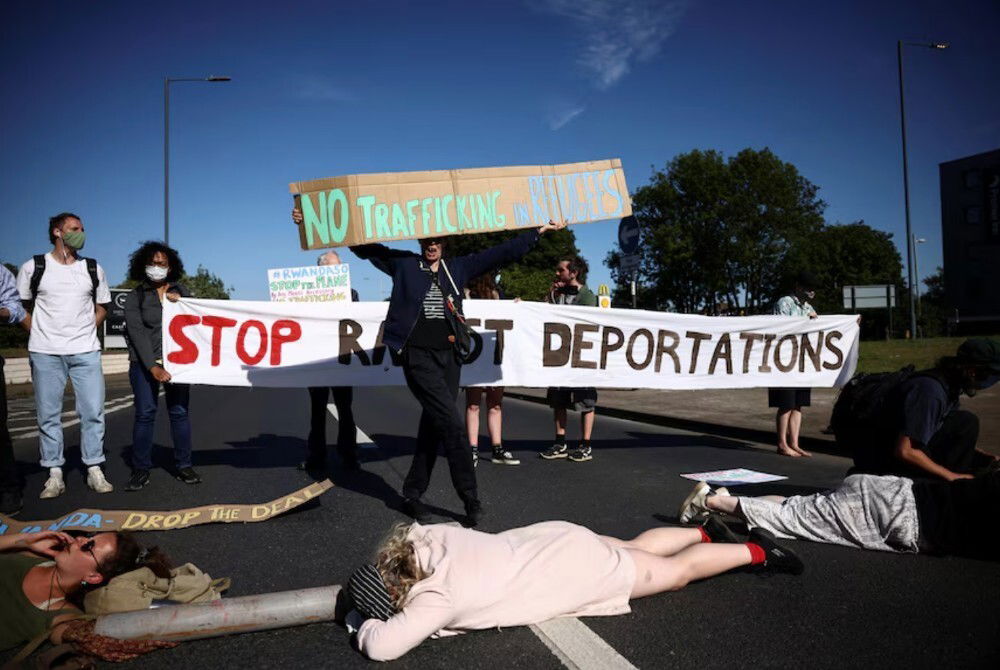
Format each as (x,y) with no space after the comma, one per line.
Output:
(166,145)
(914,240)
(906,176)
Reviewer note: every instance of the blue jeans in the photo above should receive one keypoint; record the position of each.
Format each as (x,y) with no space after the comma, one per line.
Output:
(48,374)
(147,390)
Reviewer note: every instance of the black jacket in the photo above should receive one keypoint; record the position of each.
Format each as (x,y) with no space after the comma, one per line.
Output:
(143,318)
(410,284)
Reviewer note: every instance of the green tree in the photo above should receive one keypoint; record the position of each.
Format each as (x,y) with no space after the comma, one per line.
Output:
(934,309)
(714,232)
(531,277)
(203,284)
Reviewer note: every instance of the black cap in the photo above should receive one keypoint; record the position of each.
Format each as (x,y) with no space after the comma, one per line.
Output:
(806,280)
(980,351)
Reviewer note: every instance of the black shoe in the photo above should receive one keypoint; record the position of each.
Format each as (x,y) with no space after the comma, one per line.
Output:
(417,510)
(557,450)
(188,476)
(473,513)
(10,502)
(777,557)
(718,531)
(138,480)
(313,465)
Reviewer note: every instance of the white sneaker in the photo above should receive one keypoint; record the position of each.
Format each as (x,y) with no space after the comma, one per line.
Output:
(96,480)
(54,487)
(694,509)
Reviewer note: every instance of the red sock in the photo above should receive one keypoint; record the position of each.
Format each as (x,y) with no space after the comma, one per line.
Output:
(704,535)
(757,554)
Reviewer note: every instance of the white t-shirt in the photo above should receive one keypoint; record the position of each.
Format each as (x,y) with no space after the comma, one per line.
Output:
(62,321)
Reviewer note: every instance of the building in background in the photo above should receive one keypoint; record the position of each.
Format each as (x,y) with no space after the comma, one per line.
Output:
(970,235)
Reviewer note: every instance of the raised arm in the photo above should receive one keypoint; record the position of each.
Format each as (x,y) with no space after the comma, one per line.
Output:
(381,256)
(507,252)
(424,615)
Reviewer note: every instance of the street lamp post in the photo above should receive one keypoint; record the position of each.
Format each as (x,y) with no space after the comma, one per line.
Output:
(166,145)
(906,176)
(914,240)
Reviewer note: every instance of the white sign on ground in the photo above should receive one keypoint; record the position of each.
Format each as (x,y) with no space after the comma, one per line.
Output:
(733,477)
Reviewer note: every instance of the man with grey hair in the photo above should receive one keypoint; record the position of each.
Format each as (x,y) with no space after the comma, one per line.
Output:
(347,443)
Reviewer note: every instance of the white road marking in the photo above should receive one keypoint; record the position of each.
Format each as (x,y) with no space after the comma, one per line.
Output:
(364,442)
(578,647)
(110,406)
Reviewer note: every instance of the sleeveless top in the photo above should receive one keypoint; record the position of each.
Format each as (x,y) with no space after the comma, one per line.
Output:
(20,620)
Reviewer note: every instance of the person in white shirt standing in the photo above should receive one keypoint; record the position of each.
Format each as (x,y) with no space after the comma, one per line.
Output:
(65,295)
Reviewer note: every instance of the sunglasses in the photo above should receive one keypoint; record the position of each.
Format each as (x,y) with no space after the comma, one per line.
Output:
(88,547)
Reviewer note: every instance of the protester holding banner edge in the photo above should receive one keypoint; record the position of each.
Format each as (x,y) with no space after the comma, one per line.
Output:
(157,268)
(343,398)
(422,284)
(790,401)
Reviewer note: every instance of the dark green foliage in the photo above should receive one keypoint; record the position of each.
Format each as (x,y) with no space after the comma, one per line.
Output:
(715,232)
(531,278)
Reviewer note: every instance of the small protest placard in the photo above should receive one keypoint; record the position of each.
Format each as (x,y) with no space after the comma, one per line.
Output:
(733,477)
(312,283)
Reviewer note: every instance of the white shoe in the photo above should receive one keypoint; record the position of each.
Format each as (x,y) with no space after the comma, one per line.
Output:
(96,480)
(54,487)
(694,509)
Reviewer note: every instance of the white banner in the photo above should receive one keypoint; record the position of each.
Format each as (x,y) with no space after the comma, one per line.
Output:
(244,343)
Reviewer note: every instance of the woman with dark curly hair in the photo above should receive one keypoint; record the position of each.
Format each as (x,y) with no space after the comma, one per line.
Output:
(157,268)
(44,576)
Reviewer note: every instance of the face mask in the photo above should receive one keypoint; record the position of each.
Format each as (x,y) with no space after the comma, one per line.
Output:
(156,273)
(74,240)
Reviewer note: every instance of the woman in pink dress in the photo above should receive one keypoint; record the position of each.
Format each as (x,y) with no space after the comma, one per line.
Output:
(442,579)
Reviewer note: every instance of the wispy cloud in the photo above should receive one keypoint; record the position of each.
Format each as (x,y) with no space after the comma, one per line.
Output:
(617,32)
(314,87)
(560,116)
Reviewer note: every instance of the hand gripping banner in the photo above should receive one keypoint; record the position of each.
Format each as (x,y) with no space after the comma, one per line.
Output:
(244,343)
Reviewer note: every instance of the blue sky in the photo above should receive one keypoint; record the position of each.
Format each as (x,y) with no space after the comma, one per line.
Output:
(330,88)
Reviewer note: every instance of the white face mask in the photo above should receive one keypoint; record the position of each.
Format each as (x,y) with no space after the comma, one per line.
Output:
(156,273)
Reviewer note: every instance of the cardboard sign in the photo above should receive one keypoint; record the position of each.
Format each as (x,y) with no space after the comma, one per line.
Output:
(100,521)
(275,344)
(394,206)
(312,283)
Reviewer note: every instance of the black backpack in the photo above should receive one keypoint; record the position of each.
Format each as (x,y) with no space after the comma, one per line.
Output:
(861,408)
(36,276)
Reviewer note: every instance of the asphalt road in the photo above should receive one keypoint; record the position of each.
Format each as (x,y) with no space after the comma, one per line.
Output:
(850,608)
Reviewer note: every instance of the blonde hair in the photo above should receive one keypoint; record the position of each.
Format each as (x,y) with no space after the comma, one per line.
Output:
(396,561)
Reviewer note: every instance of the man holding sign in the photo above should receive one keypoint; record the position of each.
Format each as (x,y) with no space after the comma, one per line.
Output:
(421,327)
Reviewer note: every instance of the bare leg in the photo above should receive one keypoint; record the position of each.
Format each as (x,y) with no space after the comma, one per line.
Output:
(782,420)
(494,416)
(587,425)
(560,416)
(660,541)
(731,504)
(794,427)
(473,396)
(656,574)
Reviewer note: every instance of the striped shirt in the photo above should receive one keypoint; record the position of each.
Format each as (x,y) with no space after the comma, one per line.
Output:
(434,300)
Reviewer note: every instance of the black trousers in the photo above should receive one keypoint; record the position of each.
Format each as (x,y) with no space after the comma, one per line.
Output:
(8,467)
(347,434)
(432,376)
(954,444)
